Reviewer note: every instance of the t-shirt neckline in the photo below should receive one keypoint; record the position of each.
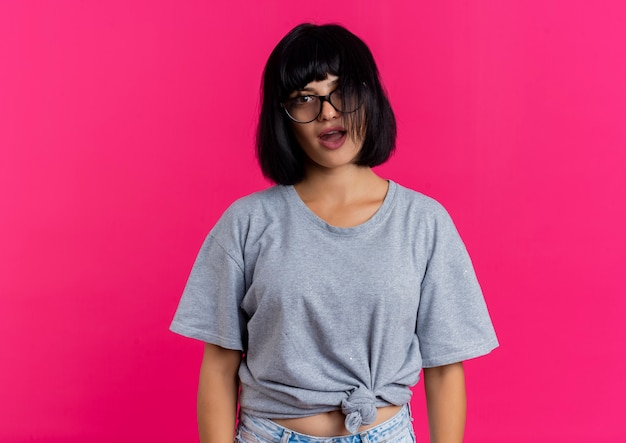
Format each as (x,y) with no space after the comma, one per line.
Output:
(374,220)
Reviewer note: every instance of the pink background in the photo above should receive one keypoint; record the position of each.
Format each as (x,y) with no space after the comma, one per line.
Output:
(126,128)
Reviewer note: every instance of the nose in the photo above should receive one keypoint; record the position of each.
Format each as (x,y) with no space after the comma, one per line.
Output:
(328,111)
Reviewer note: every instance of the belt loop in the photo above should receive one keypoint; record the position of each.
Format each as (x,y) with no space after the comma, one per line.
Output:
(408,406)
(285,437)
(364,437)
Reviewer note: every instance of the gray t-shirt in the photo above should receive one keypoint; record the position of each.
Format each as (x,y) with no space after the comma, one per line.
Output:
(334,318)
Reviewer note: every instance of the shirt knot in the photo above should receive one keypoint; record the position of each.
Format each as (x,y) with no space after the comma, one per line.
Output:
(359,409)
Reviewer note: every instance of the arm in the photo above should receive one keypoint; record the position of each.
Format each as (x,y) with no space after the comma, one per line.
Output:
(445,400)
(217,394)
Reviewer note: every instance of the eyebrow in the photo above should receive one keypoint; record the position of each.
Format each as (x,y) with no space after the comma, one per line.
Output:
(332,83)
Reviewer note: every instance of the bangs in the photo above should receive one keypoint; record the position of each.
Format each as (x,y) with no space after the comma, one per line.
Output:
(307,63)
(308,60)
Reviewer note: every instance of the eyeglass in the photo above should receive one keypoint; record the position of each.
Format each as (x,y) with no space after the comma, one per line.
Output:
(306,108)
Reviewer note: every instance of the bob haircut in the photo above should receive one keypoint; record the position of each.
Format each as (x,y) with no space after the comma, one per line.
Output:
(309,53)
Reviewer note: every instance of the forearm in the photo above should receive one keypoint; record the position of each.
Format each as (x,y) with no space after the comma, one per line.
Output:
(446,403)
(217,395)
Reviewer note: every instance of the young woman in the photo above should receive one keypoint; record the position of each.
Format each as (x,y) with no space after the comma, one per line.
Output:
(321,299)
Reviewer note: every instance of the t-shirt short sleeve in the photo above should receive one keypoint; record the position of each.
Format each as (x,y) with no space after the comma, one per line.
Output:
(209,307)
(453,323)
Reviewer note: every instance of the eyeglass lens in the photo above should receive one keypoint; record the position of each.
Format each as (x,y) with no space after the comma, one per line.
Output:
(306,108)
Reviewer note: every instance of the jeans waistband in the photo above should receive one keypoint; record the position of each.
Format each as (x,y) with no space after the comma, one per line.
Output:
(270,431)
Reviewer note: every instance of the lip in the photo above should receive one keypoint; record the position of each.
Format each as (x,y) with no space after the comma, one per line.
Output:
(332,144)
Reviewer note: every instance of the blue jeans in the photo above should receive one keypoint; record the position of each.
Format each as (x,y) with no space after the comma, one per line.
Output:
(398,429)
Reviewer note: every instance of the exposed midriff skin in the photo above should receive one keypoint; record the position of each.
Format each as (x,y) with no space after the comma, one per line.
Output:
(332,424)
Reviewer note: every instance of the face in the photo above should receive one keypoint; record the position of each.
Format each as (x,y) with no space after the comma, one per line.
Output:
(325,140)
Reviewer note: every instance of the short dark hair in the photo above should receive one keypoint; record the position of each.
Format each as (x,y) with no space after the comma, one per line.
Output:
(309,53)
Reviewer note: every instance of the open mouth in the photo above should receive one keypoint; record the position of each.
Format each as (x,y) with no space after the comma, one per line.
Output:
(332,136)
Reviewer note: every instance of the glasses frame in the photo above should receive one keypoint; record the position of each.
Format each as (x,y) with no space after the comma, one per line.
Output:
(322,99)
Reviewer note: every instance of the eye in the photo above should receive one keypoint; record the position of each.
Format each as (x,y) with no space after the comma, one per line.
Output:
(304,100)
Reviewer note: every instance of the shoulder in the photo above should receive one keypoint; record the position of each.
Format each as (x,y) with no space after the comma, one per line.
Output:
(432,224)
(416,204)
(266,199)
(426,218)
(247,213)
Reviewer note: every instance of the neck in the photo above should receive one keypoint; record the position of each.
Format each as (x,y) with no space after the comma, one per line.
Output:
(340,186)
